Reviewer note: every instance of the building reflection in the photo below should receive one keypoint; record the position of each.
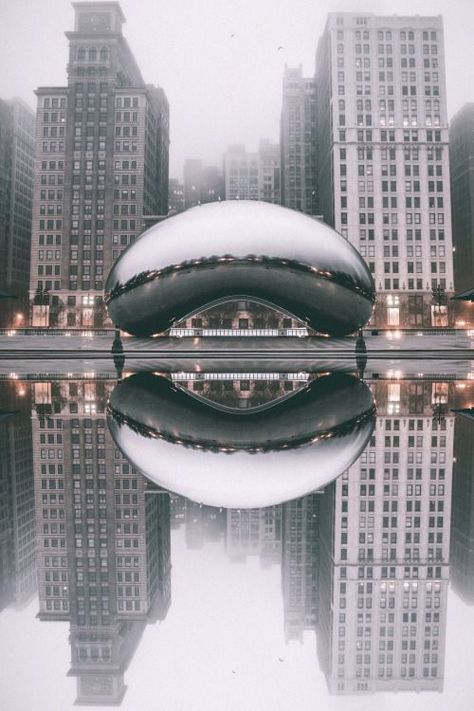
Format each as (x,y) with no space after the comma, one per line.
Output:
(365,562)
(254,532)
(103,538)
(300,565)
(462,531)
(17,512)
(384,533)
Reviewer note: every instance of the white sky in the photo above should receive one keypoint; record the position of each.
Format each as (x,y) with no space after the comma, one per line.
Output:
(221,89)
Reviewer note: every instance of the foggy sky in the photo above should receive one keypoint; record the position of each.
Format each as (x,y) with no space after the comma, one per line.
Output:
(221,89)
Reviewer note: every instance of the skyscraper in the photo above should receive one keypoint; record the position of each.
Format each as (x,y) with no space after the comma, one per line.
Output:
(202,183)
(102,165)
(298,142)
(253,176)
(461,156)
(384,537)
(17,496)
(300,565)
(17,140)
(103,537)
(383,164)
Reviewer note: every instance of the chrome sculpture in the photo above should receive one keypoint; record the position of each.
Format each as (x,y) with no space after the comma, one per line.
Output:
(250,458)
(240,250)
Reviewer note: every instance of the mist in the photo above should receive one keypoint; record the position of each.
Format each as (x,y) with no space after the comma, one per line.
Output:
(220,62)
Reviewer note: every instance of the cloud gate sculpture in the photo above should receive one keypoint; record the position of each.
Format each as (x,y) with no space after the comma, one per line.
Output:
(240,250)
(258,457)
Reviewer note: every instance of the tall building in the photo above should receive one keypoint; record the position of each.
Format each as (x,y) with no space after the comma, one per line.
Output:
(102,145)
(202,183)
(192,182)
(383,163)
(17,143)
(298,142)
(176,196)
(462,526)
(17,497)
(103,537)
(461,155)
(384,546)
(254,532)
(253,176)
(300,565)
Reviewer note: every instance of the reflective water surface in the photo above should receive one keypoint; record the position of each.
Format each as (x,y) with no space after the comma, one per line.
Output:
(117,591)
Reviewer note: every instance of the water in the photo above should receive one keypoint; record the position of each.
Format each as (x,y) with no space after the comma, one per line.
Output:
(115,587)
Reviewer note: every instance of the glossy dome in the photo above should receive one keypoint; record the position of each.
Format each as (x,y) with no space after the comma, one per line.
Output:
(245,249)
(241,459)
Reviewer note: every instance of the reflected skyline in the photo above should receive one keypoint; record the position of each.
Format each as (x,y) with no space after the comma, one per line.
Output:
(364,564)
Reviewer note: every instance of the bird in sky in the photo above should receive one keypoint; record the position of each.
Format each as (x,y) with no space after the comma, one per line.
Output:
(280,47)
(233,34)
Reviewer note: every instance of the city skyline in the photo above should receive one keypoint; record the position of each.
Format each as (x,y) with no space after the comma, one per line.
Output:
(225,68)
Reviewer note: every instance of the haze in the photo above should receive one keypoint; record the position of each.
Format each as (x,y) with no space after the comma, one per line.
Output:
(222,89)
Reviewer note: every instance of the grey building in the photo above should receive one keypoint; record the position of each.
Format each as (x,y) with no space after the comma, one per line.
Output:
(103,537)
(253,176)
(300,565)
(384,545)
(298,142)
(102,144)
(176,196)
(462,520)
(383,164)
(17,143)
(17,497)
(461,157)
(202,183)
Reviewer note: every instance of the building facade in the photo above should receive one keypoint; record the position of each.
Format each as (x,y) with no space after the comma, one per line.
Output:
(17,144)
(383,163)
(461,155)
(253,176)
(103,536)
(385,542)
(300,565)
(298,142)
(17,498)
(176,196)
(202,183)
(102,145)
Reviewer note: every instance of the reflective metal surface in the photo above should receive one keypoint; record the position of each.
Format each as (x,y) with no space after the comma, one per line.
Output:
(247,249)
(221,456)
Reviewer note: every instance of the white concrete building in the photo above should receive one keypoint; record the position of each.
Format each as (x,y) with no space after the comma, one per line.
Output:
(383,159)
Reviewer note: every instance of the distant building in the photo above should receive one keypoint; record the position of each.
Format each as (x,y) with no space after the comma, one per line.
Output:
(176,196)
(192,182)
(461,157)
(254,532)
(103,538)
(202,183)
(212,184)
(17,144)
(383,163)
(102,145)
(298,142)
(384,546)
(462,520)
(300,565)
(253,176)
(17,498)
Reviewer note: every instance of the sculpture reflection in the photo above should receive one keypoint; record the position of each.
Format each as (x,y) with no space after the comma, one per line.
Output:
(299,442)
